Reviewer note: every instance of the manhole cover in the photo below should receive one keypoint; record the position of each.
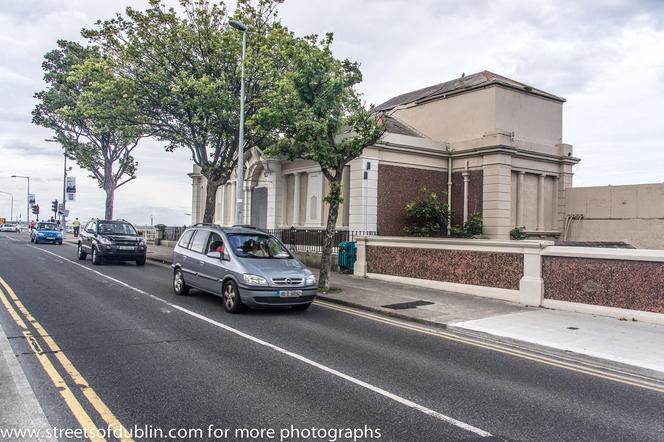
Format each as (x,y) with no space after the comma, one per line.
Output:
(407,305)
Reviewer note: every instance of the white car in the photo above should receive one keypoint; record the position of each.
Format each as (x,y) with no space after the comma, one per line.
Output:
(9,227)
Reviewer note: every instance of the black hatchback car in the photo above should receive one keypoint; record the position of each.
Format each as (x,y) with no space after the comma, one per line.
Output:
(115,240)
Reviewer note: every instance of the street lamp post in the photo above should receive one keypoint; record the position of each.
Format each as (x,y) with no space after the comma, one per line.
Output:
(11,212)
(27,205)
(239,187)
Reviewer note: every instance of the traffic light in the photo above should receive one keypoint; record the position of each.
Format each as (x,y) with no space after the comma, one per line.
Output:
(35,209)
(54,205)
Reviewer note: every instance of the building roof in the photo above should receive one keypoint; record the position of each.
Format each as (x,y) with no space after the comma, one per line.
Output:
(395,126)
(459,85)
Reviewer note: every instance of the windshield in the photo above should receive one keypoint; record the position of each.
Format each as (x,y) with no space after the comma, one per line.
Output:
(257,246)
(116,229)
(47,226)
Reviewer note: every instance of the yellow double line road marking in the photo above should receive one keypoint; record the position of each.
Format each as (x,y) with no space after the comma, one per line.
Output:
(67,394)
(532,356)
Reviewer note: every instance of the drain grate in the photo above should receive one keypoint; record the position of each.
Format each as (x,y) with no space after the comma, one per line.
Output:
(406,305)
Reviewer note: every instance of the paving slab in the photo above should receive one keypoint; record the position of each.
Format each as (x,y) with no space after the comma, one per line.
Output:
(626,342)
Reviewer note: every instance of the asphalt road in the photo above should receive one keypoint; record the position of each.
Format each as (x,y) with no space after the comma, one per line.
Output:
(160,362)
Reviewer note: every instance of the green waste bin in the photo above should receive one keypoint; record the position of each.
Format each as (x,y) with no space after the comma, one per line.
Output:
(346,257)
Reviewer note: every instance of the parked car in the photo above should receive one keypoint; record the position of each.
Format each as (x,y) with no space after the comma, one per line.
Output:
(115,240)
(10,227)
(245,266)
(46,232)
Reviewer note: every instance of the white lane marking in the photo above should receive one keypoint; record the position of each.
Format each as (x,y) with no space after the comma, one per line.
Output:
(10,238)
(299,357)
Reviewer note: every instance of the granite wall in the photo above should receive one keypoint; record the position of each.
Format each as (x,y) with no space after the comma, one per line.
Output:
(489,269)
(396,187)
(637,285)
(399,185)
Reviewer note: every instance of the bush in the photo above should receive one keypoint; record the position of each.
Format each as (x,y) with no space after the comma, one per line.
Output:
(426,214)
(473,226)
(518,233)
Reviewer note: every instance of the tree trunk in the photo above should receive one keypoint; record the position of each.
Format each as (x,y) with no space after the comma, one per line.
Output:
(110,196)
(330,230)
(211,200)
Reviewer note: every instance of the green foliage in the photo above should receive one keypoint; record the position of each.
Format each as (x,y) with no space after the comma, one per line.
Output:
(88,106)
(185,70)
(426,214)
(518,233)
(314,113)
(472,227)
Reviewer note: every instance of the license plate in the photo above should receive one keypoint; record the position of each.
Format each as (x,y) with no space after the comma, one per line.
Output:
(125,248)
(290,293)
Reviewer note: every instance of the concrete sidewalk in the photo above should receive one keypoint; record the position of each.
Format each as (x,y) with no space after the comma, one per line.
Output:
(598,337)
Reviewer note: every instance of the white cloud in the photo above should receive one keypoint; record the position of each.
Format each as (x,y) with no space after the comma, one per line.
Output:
(605,56)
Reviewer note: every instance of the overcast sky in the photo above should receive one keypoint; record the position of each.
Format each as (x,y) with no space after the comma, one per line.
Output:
(605,56)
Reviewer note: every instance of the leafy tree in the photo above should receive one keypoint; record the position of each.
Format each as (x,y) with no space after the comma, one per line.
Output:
(86,104)
(318,116)
(185,71)
(426,214)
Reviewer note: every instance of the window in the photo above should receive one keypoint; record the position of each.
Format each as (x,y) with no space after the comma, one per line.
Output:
(186,236)
(199,241)
(115,228)
(257,246)
(90,226)
(215,244)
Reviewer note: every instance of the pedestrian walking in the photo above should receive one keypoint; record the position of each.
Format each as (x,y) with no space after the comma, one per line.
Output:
(77,227)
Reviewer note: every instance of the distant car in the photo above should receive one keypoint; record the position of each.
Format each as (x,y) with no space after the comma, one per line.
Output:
(46,232)
(245,266)
(115,240)
(10,227)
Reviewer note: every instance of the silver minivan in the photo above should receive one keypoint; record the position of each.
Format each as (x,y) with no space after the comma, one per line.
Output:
(245,266)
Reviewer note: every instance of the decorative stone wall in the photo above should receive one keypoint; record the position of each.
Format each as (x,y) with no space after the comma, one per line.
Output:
(488,269)
(399,185)
(627,284)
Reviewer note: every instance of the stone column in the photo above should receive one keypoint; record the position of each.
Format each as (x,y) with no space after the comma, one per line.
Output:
(466,179)
(246,216)
(275,185)
(222,205)
(520,198)
(497,196)
(198,191)
(540,202)
(296,199)
(555,221)
(233,202)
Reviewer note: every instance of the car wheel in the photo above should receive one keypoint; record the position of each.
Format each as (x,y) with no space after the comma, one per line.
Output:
(301,307)
(140,261)
(81,254)
(96,259)
(59,243)
(179,286)
(32,239)
(232,302)
(36,241)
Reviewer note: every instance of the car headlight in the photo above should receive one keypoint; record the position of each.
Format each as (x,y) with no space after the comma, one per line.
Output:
(254,279)
(59,234)
(310,280)
(141,242)
(40,234)
(104,240)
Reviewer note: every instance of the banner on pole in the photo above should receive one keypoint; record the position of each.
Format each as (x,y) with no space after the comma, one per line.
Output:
(70,188)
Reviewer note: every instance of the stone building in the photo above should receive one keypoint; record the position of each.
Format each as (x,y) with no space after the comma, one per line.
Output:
(493,145)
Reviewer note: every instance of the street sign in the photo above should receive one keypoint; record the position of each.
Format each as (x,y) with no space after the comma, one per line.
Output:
(65,210)
(32,198)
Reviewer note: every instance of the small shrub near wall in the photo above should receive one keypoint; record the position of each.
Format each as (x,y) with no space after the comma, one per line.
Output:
(471,228)
(518,233)
(426,214)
